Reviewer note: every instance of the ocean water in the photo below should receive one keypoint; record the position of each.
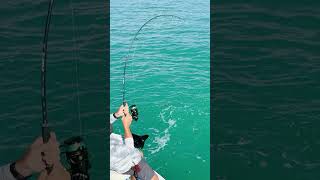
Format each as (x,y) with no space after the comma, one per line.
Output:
(266,90)
(168,78)
(80,44)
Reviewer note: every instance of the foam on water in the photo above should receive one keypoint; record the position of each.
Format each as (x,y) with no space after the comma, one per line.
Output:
(161,139)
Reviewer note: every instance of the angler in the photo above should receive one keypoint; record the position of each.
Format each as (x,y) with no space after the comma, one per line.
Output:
(125,158)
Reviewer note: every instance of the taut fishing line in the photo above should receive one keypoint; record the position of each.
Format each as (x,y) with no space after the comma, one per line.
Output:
(76,58)
(74,148)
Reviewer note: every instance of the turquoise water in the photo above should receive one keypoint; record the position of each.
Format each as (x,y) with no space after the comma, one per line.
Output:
(168,79)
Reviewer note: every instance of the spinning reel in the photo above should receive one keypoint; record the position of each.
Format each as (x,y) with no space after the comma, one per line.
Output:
(134,112)
(77,157)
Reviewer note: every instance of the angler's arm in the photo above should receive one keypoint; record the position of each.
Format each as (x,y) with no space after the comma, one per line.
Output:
(128,138)
(113,118)
(126,122)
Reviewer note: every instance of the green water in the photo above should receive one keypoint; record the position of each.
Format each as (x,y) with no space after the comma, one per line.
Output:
(266,90)
(168,79)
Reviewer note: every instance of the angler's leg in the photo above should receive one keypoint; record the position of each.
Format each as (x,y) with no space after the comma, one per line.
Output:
(145,172)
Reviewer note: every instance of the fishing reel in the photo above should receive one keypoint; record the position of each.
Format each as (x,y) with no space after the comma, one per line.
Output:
(77,157)
(134,112)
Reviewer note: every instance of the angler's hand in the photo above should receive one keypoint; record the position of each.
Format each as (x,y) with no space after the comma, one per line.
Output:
(51,151)
(31,162)
(52,156)
(120,111)
(126,110)
(58,173)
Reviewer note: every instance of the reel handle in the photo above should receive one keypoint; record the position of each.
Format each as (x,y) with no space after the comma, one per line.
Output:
(134,112)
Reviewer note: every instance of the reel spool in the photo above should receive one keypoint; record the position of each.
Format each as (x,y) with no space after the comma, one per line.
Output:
(134,112)
(77,157)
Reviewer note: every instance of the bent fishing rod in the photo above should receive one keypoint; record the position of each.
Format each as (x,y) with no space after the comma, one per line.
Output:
(45,126)
(133,108)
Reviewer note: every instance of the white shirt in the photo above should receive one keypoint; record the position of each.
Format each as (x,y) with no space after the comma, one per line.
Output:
(123,154)
(5,173)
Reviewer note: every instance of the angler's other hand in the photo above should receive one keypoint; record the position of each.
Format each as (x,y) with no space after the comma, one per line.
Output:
(126,120)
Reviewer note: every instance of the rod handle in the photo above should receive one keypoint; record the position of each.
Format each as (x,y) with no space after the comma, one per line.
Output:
(46,137)
(45,133)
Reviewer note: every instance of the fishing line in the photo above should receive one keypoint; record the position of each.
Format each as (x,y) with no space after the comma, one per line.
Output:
(76,58)
(76,153)
(131,46)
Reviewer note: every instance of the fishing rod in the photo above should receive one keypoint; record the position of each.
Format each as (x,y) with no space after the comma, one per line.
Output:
(45,126)
(75,149)
(133,108)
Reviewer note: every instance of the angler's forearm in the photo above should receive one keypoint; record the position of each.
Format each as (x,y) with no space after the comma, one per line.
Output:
(127,132)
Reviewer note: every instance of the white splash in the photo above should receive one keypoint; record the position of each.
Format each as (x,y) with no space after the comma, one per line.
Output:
(163,137)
